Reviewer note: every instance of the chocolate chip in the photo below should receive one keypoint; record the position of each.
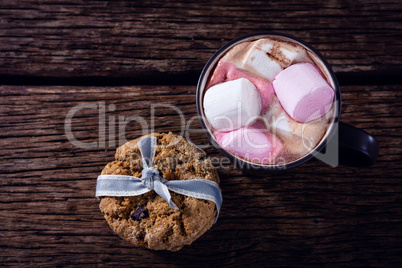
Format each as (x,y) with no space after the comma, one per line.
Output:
(139,214)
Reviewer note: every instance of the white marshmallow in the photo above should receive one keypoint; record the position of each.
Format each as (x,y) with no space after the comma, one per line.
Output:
(258,60)
(294,55)
(267,57)
(298,138)
(231,105)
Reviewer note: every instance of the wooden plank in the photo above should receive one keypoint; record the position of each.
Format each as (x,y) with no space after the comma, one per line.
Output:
(313,214)
(148,39)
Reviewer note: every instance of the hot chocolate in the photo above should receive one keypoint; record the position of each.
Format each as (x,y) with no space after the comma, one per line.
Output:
(268,101)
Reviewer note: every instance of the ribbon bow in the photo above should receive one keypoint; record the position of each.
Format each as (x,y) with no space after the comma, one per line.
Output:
(122,185)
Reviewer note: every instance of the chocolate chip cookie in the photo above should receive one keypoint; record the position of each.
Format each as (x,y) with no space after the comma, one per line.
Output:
(147,220)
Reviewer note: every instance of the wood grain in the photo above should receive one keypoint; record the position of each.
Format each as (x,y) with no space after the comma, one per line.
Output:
(172,40)
(312,215)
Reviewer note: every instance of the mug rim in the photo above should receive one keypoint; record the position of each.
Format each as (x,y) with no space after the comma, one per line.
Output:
(250,166)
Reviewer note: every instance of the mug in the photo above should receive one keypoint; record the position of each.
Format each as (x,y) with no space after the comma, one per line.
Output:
(354,147)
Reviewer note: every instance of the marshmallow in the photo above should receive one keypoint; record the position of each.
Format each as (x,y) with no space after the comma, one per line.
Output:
(267,58)
(252,143)
(231,105)
(303,92)
(259,59)
(292,54)
(226,71)
(298,138)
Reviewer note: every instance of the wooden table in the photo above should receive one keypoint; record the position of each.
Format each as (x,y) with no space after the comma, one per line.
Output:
(55,55)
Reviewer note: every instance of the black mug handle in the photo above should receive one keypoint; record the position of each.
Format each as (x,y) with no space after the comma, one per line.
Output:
(357,148)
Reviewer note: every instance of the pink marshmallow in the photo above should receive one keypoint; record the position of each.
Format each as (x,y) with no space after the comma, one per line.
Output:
(226,71)
(303,92)
(252,143)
